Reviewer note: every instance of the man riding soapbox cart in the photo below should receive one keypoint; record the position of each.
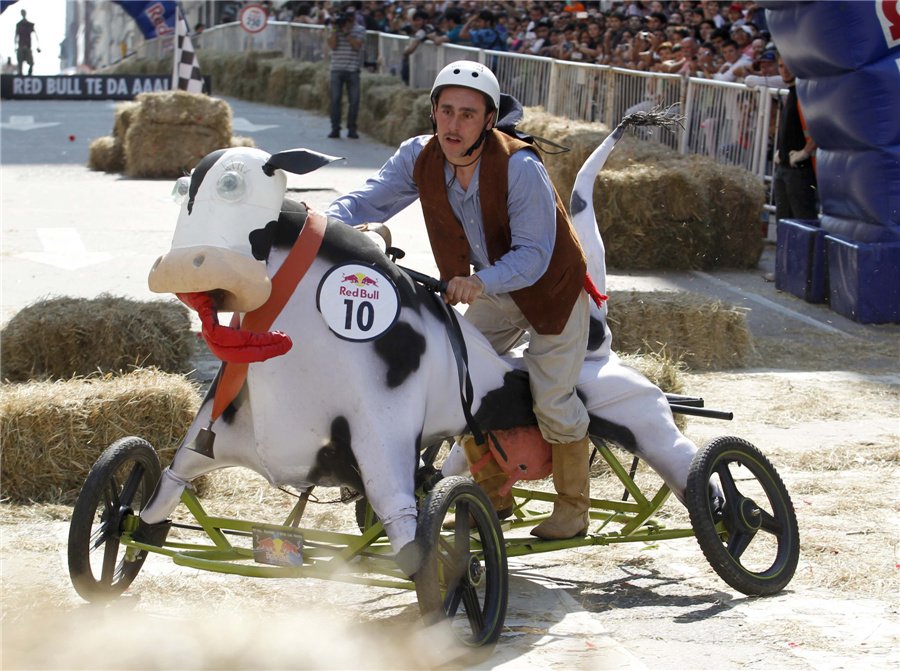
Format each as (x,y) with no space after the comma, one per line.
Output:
(377,370)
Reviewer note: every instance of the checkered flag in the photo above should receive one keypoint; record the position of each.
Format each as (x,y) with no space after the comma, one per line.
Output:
(186,73)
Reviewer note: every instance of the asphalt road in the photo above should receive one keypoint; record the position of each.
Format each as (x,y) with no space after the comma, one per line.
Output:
(67,230)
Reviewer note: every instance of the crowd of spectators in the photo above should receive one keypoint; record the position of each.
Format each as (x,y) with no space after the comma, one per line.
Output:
(697,38)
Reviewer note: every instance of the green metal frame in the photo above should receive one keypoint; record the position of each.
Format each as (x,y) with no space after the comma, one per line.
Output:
(359,558)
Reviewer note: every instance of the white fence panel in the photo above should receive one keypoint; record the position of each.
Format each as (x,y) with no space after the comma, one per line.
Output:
(722,121)
(642,92)
(526,78)
(227,37)
(309,43)
(423,66)
(390,54)
(155,48)
(448,53)
(578,90)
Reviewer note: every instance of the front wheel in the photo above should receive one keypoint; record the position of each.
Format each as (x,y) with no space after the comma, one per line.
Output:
(751,537)
(463,579)
(119,484)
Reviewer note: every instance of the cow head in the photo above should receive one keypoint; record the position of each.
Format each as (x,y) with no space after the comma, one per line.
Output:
(229,195)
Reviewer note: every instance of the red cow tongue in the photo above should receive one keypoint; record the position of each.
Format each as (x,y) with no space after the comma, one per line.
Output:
(232,344)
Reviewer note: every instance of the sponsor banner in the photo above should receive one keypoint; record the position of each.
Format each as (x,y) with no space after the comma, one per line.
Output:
(84,87)
(155,18)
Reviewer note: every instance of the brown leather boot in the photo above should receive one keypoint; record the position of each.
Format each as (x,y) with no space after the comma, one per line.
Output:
(573,488)
(491,478)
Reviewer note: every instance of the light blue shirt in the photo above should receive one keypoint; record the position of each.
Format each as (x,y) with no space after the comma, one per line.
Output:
(531,205)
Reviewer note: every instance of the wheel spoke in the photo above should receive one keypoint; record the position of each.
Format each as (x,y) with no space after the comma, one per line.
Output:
(110,552)
(461,534)
(770,523)
(99,536)
(129,489)
(111,495)
(451,599)
(732,495)
(473,609)
(739,541)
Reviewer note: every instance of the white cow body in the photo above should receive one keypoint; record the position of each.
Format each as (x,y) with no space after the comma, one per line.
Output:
(332,411)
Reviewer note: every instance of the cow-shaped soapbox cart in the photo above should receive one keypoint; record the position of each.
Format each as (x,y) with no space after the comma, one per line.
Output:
(342,370)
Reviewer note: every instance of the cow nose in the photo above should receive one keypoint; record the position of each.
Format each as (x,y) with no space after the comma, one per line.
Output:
(198,260)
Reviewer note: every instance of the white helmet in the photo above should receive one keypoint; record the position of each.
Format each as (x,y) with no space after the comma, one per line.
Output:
(470,75)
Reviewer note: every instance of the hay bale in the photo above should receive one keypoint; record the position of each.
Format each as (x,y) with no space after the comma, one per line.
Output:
(106,154)
(663,370)
(703,333)
(180,108)
(154,150)
(655,207)
(172,130)
(736,197)
(61,337)
(242,141)
(123,117)
(53,432)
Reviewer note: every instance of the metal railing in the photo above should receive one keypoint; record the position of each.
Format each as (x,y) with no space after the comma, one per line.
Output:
(732,123)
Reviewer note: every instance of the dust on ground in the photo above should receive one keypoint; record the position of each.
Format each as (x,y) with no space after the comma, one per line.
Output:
(832,433)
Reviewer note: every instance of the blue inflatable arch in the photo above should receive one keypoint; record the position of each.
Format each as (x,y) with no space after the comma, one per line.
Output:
(846,56)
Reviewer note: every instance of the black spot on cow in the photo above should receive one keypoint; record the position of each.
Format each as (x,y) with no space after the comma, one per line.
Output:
(335,462)
(199,173)
(577,204)
(614,433)
(281,234)
(596,334)
(229,412)
(401,349)
(508,406)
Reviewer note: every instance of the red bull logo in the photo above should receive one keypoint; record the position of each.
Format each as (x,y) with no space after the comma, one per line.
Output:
(360,280)
(277,551)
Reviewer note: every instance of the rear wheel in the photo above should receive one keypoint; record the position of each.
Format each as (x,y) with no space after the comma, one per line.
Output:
(463,580)
(751,538)
(118,486)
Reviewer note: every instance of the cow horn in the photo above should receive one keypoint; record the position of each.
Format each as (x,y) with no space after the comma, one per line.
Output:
(297,161)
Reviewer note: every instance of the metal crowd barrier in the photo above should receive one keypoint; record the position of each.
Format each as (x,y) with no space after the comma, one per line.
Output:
(732,123)
(390,54)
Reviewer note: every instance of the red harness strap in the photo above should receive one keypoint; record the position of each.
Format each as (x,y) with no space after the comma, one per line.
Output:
(260,320)
(593,292)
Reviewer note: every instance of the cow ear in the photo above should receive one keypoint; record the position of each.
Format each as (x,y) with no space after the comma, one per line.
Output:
(297,161)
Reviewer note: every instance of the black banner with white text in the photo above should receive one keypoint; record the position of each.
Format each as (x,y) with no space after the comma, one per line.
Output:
(84,87)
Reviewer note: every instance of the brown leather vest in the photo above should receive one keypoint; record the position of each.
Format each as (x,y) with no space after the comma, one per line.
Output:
(547,303)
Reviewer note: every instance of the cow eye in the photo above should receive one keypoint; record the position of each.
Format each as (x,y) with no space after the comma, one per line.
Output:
(181,189)
(231,186)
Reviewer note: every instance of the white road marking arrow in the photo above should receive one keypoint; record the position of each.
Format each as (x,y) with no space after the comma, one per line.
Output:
(64,249)
(26,123)
(245,126)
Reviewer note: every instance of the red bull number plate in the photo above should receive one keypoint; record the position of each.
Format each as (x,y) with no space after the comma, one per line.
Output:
(358,302)
(277,546)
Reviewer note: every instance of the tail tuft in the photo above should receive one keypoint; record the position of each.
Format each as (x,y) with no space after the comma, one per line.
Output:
(666,118)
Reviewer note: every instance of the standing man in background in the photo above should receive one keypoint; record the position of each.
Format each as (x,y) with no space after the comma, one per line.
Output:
(24,31)
(346,40)
(795,176)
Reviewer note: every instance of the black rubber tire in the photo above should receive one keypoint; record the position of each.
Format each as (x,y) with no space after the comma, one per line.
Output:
(756,547)
(119,484)
(464,567)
